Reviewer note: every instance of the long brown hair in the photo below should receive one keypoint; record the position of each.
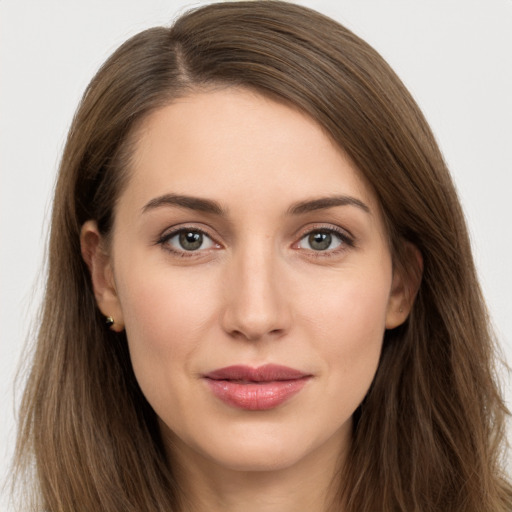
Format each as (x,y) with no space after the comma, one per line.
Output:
(429,435)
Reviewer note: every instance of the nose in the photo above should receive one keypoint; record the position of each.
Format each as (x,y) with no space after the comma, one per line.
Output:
(256,305)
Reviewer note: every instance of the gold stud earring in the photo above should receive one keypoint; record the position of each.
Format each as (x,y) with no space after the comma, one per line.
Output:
(109,321)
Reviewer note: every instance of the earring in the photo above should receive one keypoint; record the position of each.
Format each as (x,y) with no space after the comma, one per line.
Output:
(401,311)
(109,321)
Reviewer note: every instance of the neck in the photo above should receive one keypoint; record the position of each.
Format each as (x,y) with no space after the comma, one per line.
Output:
(309,485)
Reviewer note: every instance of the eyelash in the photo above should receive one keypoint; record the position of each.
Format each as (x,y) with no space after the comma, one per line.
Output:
(346,241)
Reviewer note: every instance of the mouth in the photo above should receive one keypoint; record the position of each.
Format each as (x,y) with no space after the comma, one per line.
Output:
(256,389)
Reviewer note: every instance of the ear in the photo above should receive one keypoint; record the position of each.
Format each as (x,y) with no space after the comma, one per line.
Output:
(404,287)
(99,262)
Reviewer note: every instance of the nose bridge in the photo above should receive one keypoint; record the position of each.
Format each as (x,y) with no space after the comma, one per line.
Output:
(256,305)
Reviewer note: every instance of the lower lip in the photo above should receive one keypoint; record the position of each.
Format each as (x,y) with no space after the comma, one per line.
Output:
(256,396)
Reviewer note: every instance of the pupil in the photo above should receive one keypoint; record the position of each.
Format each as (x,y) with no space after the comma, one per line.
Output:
(320,241)
(191,241)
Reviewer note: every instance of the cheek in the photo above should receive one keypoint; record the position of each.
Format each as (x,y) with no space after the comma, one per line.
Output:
(349,325)
(166,316)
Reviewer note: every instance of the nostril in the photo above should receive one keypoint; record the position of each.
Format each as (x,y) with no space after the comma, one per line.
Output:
(256,335)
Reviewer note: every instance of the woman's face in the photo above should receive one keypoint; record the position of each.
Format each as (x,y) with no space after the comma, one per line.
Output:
(250,268)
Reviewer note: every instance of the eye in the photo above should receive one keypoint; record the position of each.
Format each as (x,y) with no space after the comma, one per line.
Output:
(321,240)
(188,240)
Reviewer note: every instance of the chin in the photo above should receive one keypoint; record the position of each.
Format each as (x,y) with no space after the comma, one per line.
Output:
(258,458)
(268,448)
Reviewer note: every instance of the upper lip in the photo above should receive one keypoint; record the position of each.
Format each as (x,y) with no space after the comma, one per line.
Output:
(265,373)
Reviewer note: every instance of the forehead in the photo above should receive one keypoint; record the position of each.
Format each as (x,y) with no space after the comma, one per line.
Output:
(236,140)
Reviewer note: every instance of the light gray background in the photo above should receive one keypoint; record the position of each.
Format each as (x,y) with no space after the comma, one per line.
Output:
(454,55)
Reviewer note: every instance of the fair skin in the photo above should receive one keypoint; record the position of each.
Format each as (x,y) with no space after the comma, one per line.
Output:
(282,258)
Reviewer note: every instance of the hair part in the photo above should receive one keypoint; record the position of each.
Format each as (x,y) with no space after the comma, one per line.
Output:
(430,432)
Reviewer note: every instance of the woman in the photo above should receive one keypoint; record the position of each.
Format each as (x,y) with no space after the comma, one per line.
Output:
(261,294)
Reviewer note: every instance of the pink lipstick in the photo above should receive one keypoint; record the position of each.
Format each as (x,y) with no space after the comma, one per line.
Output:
(256,389)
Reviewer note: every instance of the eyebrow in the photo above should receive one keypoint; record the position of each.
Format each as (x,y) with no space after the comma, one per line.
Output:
(326,202)
(189,202)
(213,207)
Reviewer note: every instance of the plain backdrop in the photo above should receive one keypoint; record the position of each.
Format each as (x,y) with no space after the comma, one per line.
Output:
(454,55)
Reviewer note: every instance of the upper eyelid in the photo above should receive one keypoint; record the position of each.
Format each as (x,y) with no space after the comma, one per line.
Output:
(172,231)
(306,230)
